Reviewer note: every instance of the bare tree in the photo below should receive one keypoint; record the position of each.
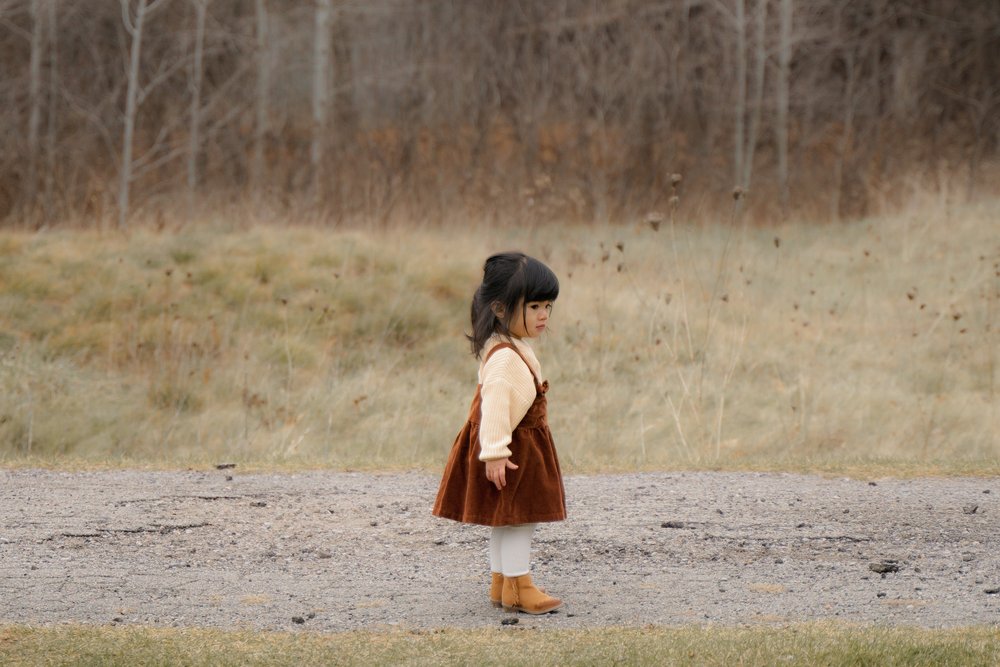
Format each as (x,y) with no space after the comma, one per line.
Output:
(194,146)
(844,145)
(263,90)
(740,109)
(321,66)
(781,99)
(760,62)
(35,102)
(134,27)
(50,142)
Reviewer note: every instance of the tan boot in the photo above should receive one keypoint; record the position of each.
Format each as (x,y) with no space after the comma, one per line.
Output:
(496,589)
(520,594)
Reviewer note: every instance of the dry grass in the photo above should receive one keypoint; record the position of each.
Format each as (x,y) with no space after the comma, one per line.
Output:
(871,346)
(811,644)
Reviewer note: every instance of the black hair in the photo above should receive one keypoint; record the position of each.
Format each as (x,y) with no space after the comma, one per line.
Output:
(509,279)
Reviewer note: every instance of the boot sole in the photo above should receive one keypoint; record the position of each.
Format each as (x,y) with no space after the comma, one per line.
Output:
(529,611)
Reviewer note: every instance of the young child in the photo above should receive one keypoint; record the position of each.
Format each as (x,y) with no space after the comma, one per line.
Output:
(503,470)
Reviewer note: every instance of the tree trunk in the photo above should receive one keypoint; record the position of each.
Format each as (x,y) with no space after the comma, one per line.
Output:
(784,68)
(131,103)
(50,137)
(846,134)
(261,102)
(35,103)
(321,64)
(760,61)
(741,91)
(194,146)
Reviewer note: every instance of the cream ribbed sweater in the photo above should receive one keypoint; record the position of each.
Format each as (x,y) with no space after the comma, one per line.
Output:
(508,390)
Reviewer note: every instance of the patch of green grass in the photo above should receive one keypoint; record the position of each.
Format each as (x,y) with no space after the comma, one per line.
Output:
(815,644)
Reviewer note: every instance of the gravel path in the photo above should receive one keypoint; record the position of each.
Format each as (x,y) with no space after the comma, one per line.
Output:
(340,551)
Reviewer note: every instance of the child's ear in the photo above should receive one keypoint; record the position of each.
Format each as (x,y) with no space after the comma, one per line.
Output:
(497,308)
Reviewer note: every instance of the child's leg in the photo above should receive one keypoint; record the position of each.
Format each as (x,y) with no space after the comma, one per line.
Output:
(515,549)
(519,592)
(496,564)
(496,550)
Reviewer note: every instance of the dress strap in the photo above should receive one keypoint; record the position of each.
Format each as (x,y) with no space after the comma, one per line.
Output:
(538,385)
(496,347)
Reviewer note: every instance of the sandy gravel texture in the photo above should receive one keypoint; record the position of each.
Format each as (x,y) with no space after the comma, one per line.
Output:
(327,551)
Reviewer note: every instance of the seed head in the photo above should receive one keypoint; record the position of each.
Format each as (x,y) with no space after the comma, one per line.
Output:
(675,179)
(738,193)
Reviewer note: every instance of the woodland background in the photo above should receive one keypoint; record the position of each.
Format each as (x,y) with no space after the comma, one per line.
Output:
(393,110)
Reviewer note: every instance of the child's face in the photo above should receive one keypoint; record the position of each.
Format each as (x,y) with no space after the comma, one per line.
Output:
(531,319)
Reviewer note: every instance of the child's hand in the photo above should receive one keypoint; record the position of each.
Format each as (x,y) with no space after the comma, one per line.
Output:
(496,471)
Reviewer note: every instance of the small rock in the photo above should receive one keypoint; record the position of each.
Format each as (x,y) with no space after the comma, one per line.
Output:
(803,525)
(992,591)
(311,615)
(324,554)
(872,484)
(880,595)
(117,619)
(298,619)
(229,478)
(373,524)
(439,541)
(224,466)
(258,503)
(986,490)
(509,621)
(968,558)
(672,524)
(884,567)
(970,509)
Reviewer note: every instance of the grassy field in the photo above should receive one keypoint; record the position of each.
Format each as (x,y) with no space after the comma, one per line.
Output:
(797,645)
(867,346)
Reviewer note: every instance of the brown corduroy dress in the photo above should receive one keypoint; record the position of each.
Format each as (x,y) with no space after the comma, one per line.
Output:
(534,491)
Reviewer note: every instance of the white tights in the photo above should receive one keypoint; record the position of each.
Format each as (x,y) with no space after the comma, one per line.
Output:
(510,549)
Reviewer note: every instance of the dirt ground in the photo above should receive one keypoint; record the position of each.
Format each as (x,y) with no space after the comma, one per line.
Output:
(327,551)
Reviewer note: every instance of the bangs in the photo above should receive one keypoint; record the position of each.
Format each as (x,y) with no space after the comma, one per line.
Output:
(540,283)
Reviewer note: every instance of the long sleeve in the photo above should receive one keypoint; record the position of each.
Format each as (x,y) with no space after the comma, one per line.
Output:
(508,390)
